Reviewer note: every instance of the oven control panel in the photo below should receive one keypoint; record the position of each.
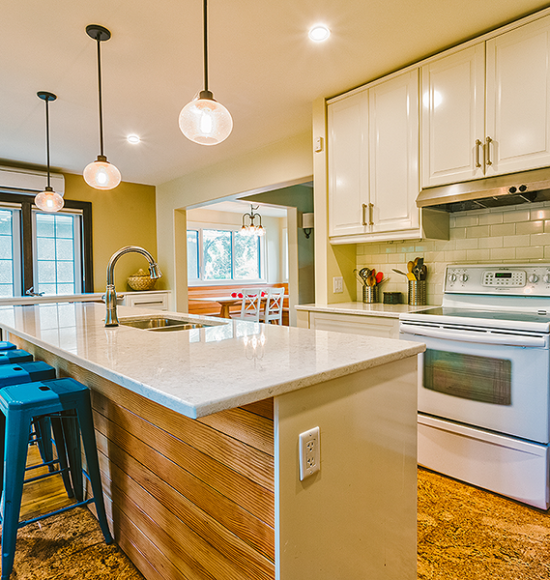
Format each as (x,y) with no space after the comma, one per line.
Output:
(505,279)
(510,278)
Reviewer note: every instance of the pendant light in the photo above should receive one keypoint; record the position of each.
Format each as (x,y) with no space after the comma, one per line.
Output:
(48,200)
(100,174)
(251,229)
(204,120)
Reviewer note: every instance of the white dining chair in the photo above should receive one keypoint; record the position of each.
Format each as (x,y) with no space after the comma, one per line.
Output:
(250,305)
(274,306)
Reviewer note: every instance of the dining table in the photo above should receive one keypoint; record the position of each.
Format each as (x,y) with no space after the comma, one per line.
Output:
(227,301)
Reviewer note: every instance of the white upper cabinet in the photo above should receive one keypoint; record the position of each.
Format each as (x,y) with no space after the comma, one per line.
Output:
(393,154)
(348,158)
(373,161)
(486,108)
(453,117)
(517,101)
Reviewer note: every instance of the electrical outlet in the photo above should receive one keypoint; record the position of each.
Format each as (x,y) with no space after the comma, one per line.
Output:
(337,284)
(310,452)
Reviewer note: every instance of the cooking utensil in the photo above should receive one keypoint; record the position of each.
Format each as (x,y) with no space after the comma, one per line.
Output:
(423,272)
(417,268)
(371,281)
(379,276)
(411,276)
(359,277)
(410,266)
(364,273)
(399,272)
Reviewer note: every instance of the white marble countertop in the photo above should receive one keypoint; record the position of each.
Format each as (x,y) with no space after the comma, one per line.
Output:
(201,371)
(376,309)
(86,297)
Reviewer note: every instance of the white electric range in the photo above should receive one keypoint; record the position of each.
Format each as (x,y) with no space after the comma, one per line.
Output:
(484,380)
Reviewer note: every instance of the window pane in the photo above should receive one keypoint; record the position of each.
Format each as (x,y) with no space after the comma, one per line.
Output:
(5,222)
(64,250)
(247,257)
(217,254)
(46,272)
(65,272)
(45,225)
(45,248)
(192,254)
(6,272)
(6,252)
(64,226)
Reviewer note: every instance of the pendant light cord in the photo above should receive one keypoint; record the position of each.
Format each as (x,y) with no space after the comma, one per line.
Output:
(205,36)
(99,88)
(48,140)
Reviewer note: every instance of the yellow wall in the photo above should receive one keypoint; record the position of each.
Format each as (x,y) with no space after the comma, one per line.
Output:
(121,217)
(282,163)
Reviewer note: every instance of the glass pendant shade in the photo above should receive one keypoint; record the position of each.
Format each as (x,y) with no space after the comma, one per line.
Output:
(205,121)
(101,174)
(48,200)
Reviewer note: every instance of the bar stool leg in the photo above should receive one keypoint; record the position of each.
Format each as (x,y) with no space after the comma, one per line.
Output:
(74,451)
(44,440)
(15,455)
(59,437)
(84,411)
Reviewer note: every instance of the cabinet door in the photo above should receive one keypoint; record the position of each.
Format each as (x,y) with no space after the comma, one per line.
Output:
(453,117)
(393,153)
(518,91)
(348,161)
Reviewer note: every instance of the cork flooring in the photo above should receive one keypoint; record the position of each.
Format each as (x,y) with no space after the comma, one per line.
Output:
(463,533)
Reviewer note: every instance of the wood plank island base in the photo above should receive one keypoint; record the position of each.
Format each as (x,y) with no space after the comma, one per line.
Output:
(199,453)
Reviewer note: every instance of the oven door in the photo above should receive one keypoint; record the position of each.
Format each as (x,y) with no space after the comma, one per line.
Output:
(493,380)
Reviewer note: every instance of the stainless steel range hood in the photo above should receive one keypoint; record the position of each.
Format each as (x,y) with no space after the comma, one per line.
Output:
(512,189)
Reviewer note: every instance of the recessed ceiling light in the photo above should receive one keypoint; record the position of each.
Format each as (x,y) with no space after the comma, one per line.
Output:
(319,33)
(133,139)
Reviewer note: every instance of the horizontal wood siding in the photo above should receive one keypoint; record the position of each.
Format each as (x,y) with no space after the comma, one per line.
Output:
(186,499)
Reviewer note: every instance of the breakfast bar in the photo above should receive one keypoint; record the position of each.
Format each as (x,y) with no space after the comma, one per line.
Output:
(198,435)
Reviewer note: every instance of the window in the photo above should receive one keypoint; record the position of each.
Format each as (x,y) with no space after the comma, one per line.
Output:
(10,270)
(57,269)
(224,255)
(50,253)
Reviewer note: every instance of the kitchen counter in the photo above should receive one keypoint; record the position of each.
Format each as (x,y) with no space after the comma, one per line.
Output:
(362,309)
(198,436)
(85,297)
(202,371)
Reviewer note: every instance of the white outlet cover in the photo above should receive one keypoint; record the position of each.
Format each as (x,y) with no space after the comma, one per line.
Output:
(309,452)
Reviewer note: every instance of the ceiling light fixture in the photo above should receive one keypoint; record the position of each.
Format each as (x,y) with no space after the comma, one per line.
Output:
(100,174)
(319,33)
(133,139)
(251,229)
(204,120)
(48,200)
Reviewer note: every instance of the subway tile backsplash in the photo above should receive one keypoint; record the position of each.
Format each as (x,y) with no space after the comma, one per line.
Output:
(512,234)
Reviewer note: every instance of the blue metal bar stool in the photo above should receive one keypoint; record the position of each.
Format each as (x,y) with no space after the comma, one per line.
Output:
(14,356)
(14,374)
(63,398)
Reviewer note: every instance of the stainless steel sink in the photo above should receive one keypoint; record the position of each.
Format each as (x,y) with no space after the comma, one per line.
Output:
(164,323)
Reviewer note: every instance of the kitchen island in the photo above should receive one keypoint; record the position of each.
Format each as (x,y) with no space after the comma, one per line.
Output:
(198,435)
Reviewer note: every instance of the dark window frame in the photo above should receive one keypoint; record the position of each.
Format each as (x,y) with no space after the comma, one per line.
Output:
(26,233)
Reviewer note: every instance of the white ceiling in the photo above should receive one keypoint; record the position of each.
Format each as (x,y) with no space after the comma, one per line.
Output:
(263,69)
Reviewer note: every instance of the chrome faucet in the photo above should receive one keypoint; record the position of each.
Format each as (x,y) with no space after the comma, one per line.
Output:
(111,318)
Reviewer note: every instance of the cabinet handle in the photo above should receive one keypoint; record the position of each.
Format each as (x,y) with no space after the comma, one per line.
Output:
(363,214)
(488,142)
(371,208)
(478,144)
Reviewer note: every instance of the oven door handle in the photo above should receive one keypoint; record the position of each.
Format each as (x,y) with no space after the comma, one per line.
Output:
(480,337)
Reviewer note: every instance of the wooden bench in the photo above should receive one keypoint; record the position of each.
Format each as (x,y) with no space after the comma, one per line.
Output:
(197,306)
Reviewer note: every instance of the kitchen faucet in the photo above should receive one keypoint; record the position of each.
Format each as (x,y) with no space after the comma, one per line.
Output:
(111,318)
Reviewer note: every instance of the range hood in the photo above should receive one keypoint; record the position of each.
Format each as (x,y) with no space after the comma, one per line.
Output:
(512,189)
